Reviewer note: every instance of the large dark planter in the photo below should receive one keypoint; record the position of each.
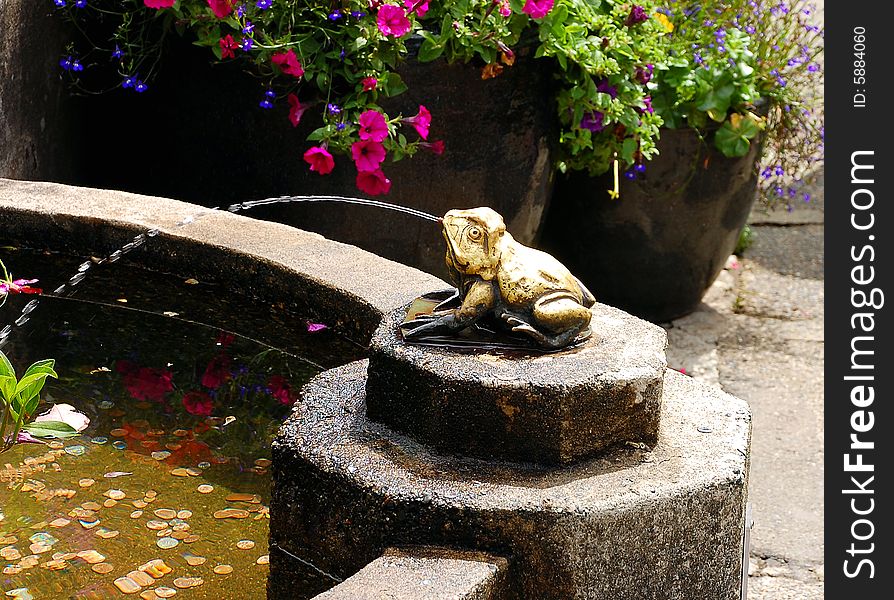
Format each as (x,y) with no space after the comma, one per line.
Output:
(198,134)
(655,250)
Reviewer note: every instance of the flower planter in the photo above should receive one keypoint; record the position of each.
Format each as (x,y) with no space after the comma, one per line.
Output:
(198,134)
(655,250)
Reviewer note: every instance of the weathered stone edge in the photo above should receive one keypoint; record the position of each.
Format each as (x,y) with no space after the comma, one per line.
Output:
(280,263)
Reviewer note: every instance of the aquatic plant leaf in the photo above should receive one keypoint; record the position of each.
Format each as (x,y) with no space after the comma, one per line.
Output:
(50,429)
(7,387)
(42,366)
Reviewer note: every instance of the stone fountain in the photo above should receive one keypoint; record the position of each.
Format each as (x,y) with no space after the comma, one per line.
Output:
(586,471)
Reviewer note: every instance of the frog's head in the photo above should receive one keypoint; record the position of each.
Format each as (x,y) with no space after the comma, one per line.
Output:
(473,238)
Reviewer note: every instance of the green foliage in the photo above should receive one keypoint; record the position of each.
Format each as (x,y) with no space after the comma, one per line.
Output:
(19,398)
(746,238)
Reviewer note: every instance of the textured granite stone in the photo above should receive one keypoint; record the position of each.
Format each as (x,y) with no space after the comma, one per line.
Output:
(424,574)
(551,408)
(662,524)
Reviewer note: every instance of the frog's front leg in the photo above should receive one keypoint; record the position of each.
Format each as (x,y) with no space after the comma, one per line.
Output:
(480,299)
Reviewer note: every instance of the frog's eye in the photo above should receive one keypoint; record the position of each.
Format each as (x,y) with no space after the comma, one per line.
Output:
(474,234)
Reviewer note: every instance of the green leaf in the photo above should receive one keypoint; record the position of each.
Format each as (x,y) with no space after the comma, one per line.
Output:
(430,50)
(7,387)
(50,429)
(394,85)
(733,139)
(42,366)
(6,366)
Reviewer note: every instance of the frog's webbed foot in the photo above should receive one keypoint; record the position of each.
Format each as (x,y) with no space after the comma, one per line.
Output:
(521,326)
(429,325)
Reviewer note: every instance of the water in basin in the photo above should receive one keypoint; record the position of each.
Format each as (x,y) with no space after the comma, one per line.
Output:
(185,384)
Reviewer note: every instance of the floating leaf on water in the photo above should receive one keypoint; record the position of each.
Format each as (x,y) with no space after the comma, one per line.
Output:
(76,450)
(103,568)
(165,592)
(223,569)
(99,441)
(114,494)
(156,525)
(160,455)
(245,544)
(184,514)
(127,585)
(86,482)
(120,444)
(231,513)
(116,474)
(60,522)
(193,560)
(264,559)
(165,513)
(136,514)
(205,488)
(167,543)
(188,582)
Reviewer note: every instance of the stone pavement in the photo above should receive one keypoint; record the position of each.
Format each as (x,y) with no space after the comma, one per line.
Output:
(759,335)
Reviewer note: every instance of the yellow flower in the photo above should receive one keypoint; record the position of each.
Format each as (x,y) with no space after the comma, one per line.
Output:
(664,21)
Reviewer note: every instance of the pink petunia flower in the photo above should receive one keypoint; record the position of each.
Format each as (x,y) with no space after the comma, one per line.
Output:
(19,286)
(227,45)
(217,371)
(281,389)
(296,109)
(198,403)
(373,126)
(369,83)
(421,122)
(367,154)
(67,414)
(288,62)
(220,8)
(505,9)
(420,7)
(391,20)
(436,147)
(158,4)
(537,9)
(373,183)
(319,160)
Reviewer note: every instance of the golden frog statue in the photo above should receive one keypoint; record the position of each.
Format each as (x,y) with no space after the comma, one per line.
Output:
(518,288)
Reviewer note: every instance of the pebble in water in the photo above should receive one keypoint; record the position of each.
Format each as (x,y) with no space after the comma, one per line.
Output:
(166,543)
(223,569)
(76,450)
(245,544)
(193,560)
(188,582)
(103,568)
(231,513)
(127,585)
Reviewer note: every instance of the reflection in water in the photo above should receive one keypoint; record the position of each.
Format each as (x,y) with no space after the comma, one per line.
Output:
(166,492)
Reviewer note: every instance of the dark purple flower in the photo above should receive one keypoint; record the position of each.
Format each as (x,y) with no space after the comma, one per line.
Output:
(335,15)
(647,105)
(80,3)
(248,28)
(333,109)
(118,52)
(640,168)
(593,121)
(59,3)
(247,44)
(604,87)
(637,15)
(264,4)
(630,174)
(644,75)
(128,82)
(139,86)
(358,14)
